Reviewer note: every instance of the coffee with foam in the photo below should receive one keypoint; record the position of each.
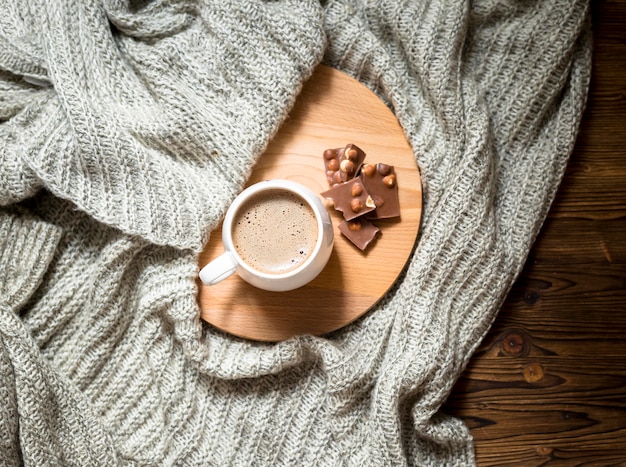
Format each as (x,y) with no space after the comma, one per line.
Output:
(275,231)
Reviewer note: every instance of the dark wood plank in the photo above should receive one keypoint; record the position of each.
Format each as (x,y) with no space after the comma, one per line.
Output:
(575,241)
(547,386)
(554,407)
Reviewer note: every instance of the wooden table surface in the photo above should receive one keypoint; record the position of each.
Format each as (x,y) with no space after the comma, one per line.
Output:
(548,384)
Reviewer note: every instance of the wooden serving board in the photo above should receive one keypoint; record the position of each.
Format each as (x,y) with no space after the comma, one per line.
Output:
(332,111)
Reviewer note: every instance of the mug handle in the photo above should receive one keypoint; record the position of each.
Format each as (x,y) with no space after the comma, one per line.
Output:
(219,269)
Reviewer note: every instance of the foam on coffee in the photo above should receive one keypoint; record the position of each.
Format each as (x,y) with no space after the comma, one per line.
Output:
(275,231)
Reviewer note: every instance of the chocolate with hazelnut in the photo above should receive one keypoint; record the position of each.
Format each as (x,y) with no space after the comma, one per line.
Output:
(342,164)
(350,198)
(359,231)
(381,182)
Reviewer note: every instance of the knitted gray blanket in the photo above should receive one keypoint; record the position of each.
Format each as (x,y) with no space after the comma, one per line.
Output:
(127,128)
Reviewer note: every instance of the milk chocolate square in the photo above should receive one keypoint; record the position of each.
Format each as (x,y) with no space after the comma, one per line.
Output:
(342,164)
(351,198)
(381,183)
(359,231)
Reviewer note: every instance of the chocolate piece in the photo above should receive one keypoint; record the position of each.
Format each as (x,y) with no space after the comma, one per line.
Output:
(342,164)
(381,182)
(359,231)
(351,198)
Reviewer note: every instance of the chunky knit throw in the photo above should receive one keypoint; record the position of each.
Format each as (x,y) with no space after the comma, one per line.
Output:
(127,128)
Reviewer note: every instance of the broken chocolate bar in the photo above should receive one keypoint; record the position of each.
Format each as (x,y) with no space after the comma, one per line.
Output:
(381,183)
(362,192)
(359,231)
(351,198)
(342,164)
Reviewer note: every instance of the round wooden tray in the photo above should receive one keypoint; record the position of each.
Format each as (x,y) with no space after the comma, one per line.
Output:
(332,111)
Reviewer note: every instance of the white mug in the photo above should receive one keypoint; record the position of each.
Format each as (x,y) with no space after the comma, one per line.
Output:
(277,236)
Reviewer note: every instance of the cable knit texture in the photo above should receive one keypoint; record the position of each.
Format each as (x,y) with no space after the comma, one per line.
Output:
(127,127)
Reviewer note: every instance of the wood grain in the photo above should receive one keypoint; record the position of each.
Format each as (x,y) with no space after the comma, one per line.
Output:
(548,384)
(332,110)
